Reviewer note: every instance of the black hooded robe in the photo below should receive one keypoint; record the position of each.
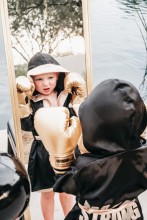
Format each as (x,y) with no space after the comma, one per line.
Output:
(114,173)
(40,170)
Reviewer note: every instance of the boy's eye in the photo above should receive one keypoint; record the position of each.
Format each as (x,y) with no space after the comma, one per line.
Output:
(39,79)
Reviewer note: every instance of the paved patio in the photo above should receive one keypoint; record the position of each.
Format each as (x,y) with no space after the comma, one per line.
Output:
(35,209)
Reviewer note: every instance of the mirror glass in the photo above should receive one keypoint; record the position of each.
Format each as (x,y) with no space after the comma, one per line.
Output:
(118,41)
(53,27)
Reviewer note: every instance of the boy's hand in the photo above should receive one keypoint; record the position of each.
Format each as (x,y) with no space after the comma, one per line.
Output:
(25,90)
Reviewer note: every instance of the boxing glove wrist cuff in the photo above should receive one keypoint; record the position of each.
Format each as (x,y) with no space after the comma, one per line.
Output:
(61,162)
(24,110)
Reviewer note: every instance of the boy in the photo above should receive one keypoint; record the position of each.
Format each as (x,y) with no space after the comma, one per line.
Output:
(45,88)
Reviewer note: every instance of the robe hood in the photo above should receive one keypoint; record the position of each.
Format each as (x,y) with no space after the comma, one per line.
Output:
(42,63)
(112,117)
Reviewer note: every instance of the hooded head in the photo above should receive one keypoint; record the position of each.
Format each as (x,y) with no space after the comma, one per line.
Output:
(42,63)
(112,117)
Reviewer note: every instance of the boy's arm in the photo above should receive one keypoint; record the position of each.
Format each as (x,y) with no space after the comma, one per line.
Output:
(27,124)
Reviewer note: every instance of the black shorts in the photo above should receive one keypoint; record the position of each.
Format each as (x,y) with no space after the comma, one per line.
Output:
(40,171)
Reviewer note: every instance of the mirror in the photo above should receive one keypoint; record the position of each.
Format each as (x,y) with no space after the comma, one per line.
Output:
(116,45)
(53,27)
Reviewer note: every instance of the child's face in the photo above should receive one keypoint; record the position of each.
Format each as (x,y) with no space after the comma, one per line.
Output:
(45,83)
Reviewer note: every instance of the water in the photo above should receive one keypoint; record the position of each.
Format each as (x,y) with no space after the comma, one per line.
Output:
(5,101)
(118,49)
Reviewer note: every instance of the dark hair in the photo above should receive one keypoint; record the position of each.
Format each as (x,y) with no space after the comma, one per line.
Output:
(60,83)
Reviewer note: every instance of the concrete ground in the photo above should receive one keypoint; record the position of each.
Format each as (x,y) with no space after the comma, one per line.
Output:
(143,201)
(35,210)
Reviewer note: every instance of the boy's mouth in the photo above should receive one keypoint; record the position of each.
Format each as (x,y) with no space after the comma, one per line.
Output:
(46,89)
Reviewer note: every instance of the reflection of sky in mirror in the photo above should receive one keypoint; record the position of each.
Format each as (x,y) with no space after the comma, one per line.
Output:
(5,106)
(118,50)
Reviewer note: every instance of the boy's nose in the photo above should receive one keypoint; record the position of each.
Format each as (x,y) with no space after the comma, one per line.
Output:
(45,82)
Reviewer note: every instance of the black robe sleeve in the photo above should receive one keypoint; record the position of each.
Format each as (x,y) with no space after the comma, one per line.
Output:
(66,183)
(27,124)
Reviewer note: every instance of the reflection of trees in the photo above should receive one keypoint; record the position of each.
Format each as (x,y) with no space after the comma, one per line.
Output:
(43,24)
(138,7)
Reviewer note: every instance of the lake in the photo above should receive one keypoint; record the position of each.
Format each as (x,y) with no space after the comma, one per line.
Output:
(118,49)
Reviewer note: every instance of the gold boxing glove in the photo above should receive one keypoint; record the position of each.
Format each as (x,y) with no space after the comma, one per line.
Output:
(59,134)
(25,90)
(75,84)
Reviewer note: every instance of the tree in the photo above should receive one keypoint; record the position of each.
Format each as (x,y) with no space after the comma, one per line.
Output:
(43,24)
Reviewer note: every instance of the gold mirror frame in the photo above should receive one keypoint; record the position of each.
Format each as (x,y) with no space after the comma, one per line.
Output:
(87,38)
